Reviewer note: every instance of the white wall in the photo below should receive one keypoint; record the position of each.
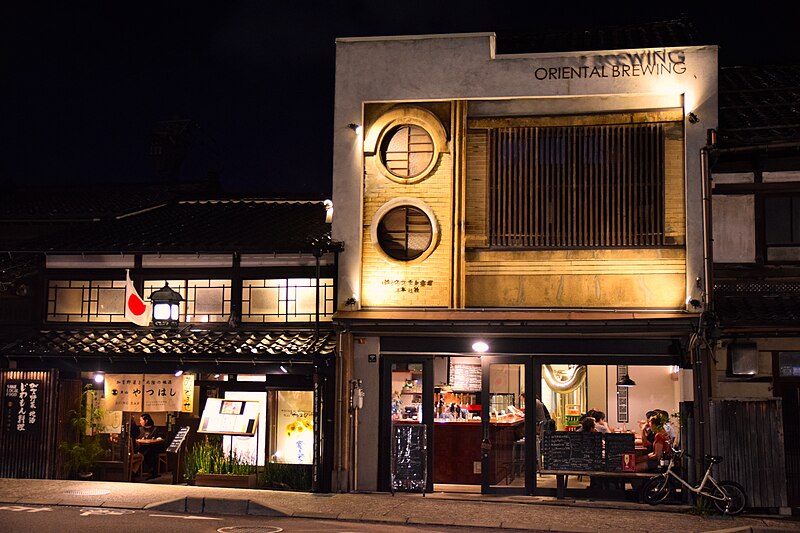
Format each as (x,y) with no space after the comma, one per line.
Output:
(655,389)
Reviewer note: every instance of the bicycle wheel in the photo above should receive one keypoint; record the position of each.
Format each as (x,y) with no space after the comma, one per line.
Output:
(656,490)
(734,499)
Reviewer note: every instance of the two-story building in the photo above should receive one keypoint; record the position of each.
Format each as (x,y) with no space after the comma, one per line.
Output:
(519,226)
(256,282)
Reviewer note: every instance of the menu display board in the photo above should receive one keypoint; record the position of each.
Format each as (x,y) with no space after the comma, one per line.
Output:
(409,457)
(465,377)
(177,440)
(573,450)
(22,406)
(229,417)
(617,446)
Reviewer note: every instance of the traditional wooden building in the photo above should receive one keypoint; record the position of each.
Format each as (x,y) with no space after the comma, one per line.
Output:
(257,282)
(755,170)
(523,225)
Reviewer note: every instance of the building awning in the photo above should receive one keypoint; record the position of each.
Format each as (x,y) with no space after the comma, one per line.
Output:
(188,343)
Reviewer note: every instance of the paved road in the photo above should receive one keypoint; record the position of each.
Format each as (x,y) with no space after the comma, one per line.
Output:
(28,518)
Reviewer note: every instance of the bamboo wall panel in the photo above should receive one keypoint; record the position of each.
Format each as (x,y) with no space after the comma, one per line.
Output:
(28,448)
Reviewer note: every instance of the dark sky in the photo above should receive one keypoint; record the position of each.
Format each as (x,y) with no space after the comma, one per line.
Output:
(84,83)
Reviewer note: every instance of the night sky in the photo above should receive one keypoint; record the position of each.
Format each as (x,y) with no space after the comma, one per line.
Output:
(85,83)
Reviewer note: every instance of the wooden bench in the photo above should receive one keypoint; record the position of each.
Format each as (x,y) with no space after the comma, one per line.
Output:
(563,475)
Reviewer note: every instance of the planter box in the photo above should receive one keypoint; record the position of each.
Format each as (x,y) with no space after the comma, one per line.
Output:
(247,481)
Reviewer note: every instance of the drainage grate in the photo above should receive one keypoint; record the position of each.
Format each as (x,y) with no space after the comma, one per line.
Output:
(87,492)
(250,529)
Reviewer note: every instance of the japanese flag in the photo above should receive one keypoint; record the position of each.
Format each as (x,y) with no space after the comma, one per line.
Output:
(136,310)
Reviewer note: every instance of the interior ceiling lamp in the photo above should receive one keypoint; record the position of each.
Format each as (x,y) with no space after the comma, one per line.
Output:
(626,381)
(480,346)
(166,307)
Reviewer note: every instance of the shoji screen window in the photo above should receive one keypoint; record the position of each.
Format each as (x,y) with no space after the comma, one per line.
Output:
(86,301)
(287,300)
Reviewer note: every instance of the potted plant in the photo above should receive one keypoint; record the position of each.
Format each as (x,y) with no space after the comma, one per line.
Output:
(79,455)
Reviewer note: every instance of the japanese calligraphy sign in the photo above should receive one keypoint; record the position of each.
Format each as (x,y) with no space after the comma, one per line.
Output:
(22,402)
(163,392)
(124,392)
(187,394)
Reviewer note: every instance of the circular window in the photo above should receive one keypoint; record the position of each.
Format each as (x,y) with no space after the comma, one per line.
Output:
(407,151)
(405,233)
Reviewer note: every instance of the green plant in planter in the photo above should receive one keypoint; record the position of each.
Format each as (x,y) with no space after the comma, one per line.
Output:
(79,457)
(206,457)
(285,476)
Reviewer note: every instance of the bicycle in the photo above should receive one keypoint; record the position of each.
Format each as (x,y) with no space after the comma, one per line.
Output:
(728,497)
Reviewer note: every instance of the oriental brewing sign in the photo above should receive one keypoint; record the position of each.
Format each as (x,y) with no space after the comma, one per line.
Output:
(640,64)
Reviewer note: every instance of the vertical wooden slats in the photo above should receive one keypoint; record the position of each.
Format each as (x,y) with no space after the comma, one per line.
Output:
(568,187)
(754,459)
(29,454)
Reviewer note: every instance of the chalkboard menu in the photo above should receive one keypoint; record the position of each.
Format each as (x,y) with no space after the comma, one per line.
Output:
(572,450)
(465,377)
(409,457)
(617,444)
(177,441)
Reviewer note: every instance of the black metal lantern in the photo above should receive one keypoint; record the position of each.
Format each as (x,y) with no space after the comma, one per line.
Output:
(166,308)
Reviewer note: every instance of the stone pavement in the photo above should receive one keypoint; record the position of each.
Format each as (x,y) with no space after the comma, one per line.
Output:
(440,509)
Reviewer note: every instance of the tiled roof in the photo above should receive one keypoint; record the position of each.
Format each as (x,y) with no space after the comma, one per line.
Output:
(185,343)
(88,202)
(680,32)
(759,105)
(763,304)
(199,226)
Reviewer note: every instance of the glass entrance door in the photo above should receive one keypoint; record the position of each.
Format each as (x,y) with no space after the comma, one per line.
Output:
(506,462)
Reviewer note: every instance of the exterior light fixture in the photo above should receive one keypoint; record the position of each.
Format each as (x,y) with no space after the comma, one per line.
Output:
(692,118)
(178,373)
(626,381)
(166,308)
(283,369)
(351,302)
(694,302)
(358,128)
(480,346)
(99,377)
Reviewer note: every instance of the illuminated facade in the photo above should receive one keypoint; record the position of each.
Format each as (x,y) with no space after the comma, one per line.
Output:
(549,205)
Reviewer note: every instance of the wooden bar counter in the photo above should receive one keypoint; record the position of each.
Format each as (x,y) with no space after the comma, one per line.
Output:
(457,447)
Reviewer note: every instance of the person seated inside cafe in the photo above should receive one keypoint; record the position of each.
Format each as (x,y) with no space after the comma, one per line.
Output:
(662,445)
(150,443)
(600,421)
(588,424)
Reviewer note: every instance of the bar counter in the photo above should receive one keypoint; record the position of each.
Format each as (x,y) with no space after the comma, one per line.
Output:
(457,447)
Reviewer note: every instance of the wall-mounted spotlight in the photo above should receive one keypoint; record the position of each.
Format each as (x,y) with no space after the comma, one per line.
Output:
(179,373)
(694,302)
(480,346)
(99,377)
(351,302)
(283,369)
(692,118)
(356,128)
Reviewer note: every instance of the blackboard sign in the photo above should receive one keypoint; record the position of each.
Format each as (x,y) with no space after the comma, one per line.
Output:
(409,457)
(617,444)
(572,450)
(177,441)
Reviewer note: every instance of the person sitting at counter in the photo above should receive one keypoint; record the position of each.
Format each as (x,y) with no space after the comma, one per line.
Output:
(662,446)
(588,424)
(600,421)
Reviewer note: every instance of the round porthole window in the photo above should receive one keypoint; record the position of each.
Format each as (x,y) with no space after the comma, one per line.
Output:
(405,233)
(407,152)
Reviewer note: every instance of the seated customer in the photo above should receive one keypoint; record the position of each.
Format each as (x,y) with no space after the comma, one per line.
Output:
(151,443)
(600,421)
(662,446)
(587,424)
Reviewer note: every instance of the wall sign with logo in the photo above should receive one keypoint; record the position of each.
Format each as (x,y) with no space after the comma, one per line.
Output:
(149,392)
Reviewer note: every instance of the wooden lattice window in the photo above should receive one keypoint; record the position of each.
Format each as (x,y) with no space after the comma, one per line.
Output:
(406,151)
(405,233)
(577,186)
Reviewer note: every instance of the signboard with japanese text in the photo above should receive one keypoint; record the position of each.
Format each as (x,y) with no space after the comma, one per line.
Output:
(123,392)
(22,404)
(149,392)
